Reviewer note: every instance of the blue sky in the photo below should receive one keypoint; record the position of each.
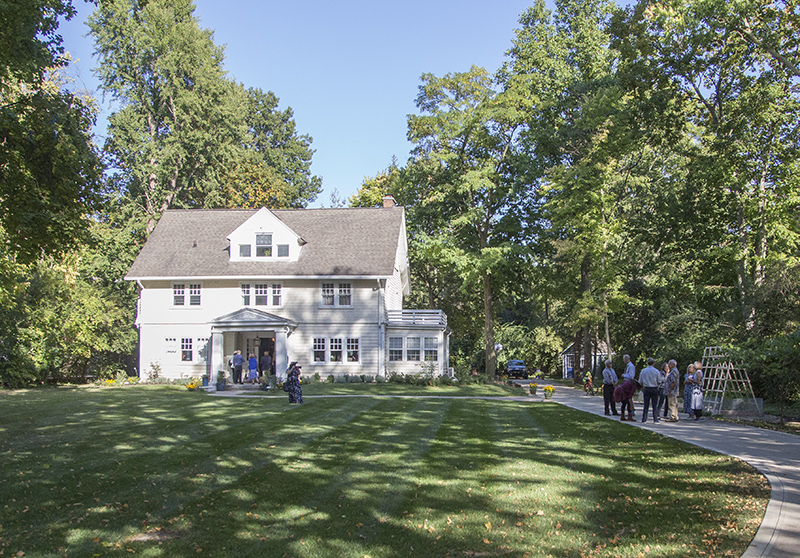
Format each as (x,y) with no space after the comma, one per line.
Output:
(348,69)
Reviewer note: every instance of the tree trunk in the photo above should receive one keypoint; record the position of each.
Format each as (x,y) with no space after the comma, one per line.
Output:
(491,355)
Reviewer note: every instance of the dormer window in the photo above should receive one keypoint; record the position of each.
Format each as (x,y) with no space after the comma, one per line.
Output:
(263,245)
(265,238)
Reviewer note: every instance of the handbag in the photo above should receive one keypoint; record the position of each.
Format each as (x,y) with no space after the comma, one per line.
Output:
(697,398)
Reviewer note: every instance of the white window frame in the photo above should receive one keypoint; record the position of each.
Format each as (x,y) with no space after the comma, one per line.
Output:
(431,347)
(195,294)
(319,349)
(187,352)
(396,349)
(283,250)
(246,248)
(272,295)
(179,294)
(266,245)
(336,350)
(276,295)
(336,295)
(414,349)
(353,350)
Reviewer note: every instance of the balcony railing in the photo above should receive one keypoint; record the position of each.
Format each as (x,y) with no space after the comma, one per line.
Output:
(434,318)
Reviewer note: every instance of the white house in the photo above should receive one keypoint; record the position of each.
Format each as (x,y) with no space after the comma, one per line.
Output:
(323,287)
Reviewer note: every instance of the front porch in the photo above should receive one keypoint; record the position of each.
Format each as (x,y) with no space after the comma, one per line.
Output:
(251,332)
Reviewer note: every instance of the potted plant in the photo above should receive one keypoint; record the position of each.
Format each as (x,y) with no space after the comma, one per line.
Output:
(549,391)
(221,380)
(205,379)
(532,388)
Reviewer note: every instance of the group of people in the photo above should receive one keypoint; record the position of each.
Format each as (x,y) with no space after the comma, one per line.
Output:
(253,366)
(660,389)
(291,385)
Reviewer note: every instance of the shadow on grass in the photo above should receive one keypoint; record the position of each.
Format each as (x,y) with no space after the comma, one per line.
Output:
(164,472)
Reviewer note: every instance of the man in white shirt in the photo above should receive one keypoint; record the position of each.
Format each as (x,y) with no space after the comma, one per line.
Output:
(649,378)
(609,382)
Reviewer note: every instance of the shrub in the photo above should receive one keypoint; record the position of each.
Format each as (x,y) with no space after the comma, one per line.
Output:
(331,379)
(368,378)
(317,377)
(354,379)
(341,379)
(154,372)
(380,379)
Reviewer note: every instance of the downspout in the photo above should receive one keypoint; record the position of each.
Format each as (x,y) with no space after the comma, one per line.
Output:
(381,332)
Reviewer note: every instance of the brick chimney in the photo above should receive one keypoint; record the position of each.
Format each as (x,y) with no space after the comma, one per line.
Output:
(388,201)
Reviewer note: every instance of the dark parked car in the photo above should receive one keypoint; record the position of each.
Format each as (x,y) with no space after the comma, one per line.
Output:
(517,369)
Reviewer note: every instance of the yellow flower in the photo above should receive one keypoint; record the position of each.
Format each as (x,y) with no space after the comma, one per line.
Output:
(549,389)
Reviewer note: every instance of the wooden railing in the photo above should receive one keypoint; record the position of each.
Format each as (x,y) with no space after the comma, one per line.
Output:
(417,317)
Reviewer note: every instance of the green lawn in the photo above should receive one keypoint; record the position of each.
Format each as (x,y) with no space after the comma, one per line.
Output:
(160,471)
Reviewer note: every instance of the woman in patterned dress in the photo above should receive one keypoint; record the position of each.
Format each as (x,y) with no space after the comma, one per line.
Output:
(292,384)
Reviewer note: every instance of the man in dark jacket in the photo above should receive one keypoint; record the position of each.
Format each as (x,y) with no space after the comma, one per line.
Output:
(266,364)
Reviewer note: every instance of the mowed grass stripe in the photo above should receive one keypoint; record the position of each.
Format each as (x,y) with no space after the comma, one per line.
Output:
(357,477)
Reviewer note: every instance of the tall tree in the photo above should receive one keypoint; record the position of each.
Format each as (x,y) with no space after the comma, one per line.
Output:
(48,166)
(181,120)
(463,162)
(736,76)
(562,64)
(274,167)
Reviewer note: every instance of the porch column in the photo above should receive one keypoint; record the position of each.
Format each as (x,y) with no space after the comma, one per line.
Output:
(281,355)
(217,358)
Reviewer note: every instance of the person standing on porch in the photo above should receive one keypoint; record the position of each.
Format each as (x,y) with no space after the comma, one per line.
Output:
(252,369)
(266,363)
(238,362)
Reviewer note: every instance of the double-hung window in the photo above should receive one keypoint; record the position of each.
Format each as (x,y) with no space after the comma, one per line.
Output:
(336,295)
(262,294)
(186,349)
(319,349)
(352,350)
(178,294)
(395,349)
(413,348)
(179,297)
(335,350)
(431,349)
(194,295)
(263,245)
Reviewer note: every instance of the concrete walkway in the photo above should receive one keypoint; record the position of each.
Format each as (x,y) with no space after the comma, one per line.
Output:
(775,454)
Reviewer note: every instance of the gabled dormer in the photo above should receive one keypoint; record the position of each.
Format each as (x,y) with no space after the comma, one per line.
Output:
(264,237)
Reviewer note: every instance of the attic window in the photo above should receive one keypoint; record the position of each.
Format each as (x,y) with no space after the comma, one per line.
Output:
(263,245)
(244,250)
(283,250)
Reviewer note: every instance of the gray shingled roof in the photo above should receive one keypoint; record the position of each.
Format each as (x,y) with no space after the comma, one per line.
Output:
(340,242)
